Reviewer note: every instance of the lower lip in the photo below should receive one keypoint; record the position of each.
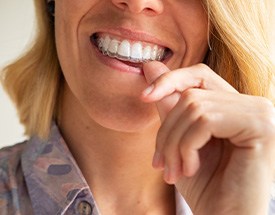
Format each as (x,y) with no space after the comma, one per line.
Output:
(116,64)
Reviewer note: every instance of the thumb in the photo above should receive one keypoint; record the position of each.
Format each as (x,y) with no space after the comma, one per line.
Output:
(152,71)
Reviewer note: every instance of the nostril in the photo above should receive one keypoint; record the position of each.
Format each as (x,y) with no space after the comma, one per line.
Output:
(122,5)
(151,8)
(149,11)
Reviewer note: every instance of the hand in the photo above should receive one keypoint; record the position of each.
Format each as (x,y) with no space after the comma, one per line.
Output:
(215,144)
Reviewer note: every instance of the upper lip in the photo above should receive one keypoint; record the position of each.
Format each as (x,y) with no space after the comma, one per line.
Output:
(134,35)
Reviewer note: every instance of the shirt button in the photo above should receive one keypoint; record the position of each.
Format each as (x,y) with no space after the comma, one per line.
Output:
(84,208)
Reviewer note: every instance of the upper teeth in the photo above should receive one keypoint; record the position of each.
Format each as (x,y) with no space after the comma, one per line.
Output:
(125,50)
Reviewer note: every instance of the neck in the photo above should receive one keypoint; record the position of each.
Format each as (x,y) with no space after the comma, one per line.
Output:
(115,163)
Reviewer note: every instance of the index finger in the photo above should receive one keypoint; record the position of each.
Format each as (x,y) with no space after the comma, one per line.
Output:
(197,76)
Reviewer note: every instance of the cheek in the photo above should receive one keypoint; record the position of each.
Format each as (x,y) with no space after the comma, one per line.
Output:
(196,45)
(66,44)
(68,17)
(192,16)
(194,27)
(192,24)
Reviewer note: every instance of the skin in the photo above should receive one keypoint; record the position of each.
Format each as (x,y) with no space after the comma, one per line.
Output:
(230,176)
(111,124)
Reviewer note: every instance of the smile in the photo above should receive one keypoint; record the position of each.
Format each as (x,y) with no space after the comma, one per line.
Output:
(127,50)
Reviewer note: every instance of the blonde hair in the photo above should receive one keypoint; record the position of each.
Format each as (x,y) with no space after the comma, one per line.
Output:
(33,81)
(240,54)
(241,47)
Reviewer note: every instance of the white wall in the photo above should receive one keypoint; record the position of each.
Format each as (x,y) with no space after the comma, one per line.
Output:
(16,27)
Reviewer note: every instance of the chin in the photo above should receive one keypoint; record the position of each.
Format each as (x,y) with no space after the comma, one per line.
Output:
(128,121)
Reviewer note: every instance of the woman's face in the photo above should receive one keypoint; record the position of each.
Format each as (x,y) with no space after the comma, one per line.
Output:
(108,89)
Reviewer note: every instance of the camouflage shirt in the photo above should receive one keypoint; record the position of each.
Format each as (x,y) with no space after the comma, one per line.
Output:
(42,177)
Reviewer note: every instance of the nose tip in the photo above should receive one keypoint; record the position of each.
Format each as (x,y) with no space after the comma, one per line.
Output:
(149,7)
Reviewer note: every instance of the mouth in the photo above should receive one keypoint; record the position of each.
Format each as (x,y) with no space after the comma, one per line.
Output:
(132,53)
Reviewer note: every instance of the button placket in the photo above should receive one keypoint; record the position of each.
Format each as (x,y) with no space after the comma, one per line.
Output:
(84,208)
(84,204)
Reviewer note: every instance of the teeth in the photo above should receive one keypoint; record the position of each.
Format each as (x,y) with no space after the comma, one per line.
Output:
(147,53)
(154,53)
(136,51)
(126,51)
(113,47)
(105,44)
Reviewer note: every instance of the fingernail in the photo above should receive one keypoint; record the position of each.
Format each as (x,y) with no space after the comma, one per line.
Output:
(148,90)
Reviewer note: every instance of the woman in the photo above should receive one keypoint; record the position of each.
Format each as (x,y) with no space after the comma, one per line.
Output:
(204,118)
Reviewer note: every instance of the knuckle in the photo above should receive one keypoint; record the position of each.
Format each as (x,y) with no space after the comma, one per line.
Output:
(203,67)
(264,126)
(165,79)
(189,95)
(194,110)
(266,104)
(195,107)
(204,120)
(269,125)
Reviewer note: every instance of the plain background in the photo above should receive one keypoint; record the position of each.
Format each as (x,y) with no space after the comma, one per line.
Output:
(17,27)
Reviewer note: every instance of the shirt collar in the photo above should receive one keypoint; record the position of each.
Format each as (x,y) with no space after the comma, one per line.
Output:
(52,176)
(182,207)
(54,179)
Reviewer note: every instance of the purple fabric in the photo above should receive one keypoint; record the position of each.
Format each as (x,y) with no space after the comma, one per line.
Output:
(39,177)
